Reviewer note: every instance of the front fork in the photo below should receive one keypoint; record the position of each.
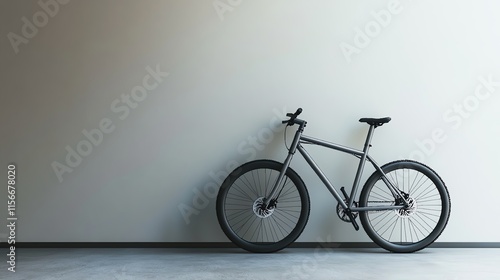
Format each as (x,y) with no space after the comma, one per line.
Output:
(286,164)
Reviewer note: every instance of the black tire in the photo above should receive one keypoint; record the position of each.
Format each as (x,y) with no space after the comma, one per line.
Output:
(255,231)
(413,229)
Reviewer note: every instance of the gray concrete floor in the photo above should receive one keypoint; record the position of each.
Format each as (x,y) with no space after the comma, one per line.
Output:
(319,263)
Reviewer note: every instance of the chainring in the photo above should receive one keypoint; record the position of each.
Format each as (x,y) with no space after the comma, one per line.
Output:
(342,214)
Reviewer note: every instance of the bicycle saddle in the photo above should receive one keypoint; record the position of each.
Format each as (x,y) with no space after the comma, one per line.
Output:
(375,122)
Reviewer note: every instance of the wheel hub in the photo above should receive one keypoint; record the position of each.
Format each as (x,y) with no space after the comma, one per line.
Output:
(408,211)
(260,208)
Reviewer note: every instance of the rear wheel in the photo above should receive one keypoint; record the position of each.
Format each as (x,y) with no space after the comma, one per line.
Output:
(412,228)
(248,220)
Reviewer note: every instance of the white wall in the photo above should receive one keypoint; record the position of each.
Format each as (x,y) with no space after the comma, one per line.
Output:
(231,75)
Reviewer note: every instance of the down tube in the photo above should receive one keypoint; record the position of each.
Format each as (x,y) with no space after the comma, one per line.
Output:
(321,175)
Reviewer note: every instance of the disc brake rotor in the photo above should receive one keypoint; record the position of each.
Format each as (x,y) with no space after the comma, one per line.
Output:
(260,209)
(409,211)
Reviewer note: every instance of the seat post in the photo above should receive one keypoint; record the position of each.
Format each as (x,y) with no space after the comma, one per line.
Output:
(368,139)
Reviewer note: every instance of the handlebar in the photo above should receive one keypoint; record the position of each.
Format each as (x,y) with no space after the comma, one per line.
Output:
(293,118)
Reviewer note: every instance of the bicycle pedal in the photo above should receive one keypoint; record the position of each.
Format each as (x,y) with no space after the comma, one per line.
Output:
(353,220)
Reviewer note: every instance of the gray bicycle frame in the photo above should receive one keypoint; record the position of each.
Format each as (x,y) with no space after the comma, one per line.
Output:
(300,139)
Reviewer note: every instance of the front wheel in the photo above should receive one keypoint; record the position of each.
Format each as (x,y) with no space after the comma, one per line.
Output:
(412,228)
(244,213)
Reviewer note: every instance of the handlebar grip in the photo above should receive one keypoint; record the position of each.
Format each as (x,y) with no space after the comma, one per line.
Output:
(292,116)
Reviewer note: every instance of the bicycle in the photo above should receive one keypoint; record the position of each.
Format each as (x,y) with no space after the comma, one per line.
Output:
(263,205)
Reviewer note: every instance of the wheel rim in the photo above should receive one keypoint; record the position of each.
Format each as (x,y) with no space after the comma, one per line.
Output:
(412,224)
(245,215)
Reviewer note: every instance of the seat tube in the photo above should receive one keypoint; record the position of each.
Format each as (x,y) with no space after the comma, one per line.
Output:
(286,163)
(361,165)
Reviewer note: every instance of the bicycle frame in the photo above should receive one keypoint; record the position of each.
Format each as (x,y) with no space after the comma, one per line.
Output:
(300,139)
